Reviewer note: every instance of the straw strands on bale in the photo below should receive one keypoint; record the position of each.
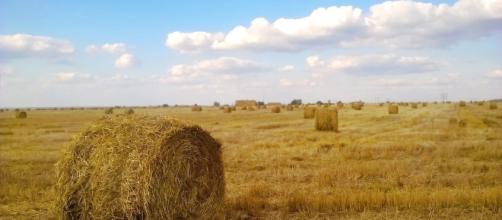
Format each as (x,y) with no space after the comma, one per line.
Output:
(276,109)
(21,115)
(393,109)
(109,111)
(196,108)
(309,112)
(326,119)
(493,105)
(141,168)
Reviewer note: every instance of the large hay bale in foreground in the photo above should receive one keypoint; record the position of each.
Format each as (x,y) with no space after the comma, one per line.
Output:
(141,168)
(393,109)
(276,109)
(326,119)
(196,108)
(309,112)
(493,105)
(21,115)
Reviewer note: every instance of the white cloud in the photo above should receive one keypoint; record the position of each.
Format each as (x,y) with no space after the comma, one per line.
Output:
(20,45)
(497,73)
(389,24)
(287,68)
(297,83)
(125,61)
(222,65)
(73,77)
(373,64)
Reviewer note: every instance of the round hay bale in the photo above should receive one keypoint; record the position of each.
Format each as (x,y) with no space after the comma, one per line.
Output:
(493,106)
(233,108)
(357,105)
(251,108)
(309,112)
(276,109)
(414,105)
(196,108)
(129,111)
(393,109)
(424,104)
(227,110)
(21,115)
(109,111)
(339,104)
(244,108)
(461,104)
(289,108)
(141,167)
(326,119)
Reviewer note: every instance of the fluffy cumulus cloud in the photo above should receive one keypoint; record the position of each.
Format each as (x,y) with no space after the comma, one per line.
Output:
(373,64)
(388,24)
(124,59)
(73,77)
(26,45)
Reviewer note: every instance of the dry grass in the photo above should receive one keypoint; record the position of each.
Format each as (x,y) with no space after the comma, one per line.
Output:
(309,112)
(413,165)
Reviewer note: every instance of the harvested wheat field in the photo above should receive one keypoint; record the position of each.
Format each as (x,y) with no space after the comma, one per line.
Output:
(412,165)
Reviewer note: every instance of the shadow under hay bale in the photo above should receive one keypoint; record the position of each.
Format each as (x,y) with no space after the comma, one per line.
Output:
(326,119)
(309,112)
(21,115)
(141,167)
(393,109)
(276,109)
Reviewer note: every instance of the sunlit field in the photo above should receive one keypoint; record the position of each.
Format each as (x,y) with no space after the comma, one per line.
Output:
(416,164)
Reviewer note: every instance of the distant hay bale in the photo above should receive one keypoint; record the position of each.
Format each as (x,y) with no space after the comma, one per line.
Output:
(326,119)
(233,108)
(251,108)
(21,115)
(339,104)
(461,104)
(414,105)
(309,112)
(241,103)
(109,111)
(424,104)
(244,108)
(141,168)
(493,105)
(393,109)
(357,105)
(227,110)
(129,111)
(276,109)
(196,108)
(381,104)
(289,108)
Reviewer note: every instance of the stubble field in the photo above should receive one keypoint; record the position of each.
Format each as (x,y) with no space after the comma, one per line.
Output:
(412,165)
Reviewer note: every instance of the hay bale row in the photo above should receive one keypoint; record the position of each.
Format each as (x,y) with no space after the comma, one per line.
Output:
(309,112)
(393,109)
(21,115)
(326,119)
(141,168)
(276,109)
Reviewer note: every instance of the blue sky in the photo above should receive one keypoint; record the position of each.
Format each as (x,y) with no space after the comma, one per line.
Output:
(71,53)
